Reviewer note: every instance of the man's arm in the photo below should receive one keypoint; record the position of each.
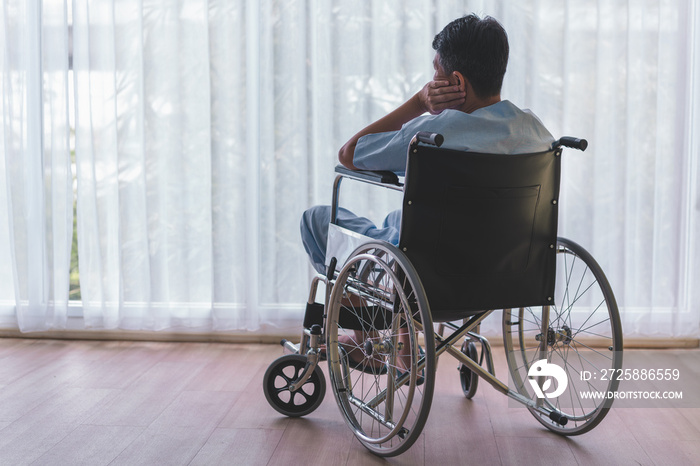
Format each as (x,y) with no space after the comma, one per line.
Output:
(435,97)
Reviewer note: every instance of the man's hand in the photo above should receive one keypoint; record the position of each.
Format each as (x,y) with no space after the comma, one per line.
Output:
(437,96)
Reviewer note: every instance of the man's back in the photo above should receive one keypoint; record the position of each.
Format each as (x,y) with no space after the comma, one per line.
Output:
(501,128)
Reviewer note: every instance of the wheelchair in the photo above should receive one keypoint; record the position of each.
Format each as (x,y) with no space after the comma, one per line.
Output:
(478,234)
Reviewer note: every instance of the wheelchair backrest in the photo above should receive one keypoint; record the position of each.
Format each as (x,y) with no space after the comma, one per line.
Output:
(481,229)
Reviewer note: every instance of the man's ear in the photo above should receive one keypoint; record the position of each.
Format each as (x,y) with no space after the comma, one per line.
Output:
(459,78)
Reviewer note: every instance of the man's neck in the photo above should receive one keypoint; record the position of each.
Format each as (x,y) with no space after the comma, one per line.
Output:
(472,105)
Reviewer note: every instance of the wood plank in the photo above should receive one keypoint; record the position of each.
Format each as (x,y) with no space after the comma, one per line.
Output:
(416,455)
(673,452)
(69,406)
(539,451)
(313,441)
(244,447)
(90,445)
(182,429)
(166,376)
(202,410)
(123,364)
(251,410)
(131,408)
(27,445)
(175,403)
(458,430)
(321,437)
(30,389)
(172,446)
(231,368)
(21,360)
(599,447)
(644,424)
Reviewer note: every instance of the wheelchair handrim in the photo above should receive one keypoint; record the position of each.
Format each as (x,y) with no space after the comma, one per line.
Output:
(334,355)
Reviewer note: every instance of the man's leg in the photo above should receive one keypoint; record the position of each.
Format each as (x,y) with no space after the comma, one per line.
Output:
(314,231)
(393,220)
(314,235)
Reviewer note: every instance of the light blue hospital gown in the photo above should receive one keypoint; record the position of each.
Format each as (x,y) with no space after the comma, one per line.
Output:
(501,128)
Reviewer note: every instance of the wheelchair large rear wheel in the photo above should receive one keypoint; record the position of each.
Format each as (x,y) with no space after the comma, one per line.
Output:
(583,337)
(382,375)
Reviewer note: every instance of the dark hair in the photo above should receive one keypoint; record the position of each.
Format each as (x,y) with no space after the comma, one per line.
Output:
(477,48)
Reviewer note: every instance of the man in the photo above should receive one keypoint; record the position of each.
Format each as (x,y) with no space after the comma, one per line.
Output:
(465,106)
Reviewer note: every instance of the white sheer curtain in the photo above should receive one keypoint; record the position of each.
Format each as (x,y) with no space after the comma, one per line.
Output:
(623,75)
(36,214)
(204,128)
(144,152)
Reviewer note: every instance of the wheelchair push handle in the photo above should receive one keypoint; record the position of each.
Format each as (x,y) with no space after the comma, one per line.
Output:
(426,137)
(574,143)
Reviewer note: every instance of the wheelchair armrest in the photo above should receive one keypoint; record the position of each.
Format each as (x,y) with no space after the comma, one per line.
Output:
(385,179)
(380,177)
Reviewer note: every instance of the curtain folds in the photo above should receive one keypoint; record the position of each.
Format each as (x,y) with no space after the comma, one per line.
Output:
(204,128)
(37,192)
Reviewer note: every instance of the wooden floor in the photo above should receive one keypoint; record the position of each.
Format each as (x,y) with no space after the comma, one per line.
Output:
(138,403)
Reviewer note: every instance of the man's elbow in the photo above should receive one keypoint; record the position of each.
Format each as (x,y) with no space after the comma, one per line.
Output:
(346,155)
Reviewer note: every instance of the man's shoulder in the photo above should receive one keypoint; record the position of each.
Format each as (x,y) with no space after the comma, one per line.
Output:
(500,114)
(499,128)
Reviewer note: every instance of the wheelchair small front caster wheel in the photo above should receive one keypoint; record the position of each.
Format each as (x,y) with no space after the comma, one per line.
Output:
(281,374)
(469,378)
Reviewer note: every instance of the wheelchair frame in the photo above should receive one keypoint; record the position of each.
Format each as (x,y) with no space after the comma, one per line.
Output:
(405,391)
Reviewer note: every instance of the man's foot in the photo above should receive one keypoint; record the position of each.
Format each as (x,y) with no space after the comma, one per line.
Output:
(363,353)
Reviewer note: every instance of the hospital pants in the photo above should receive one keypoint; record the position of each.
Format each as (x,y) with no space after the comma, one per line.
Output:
(314,230)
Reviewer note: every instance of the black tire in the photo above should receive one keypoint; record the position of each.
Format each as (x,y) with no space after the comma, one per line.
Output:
(584,334)
(281,374)
(469,378)
(383,390)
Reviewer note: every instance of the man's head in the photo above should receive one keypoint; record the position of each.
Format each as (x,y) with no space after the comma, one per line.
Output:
(476,48)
